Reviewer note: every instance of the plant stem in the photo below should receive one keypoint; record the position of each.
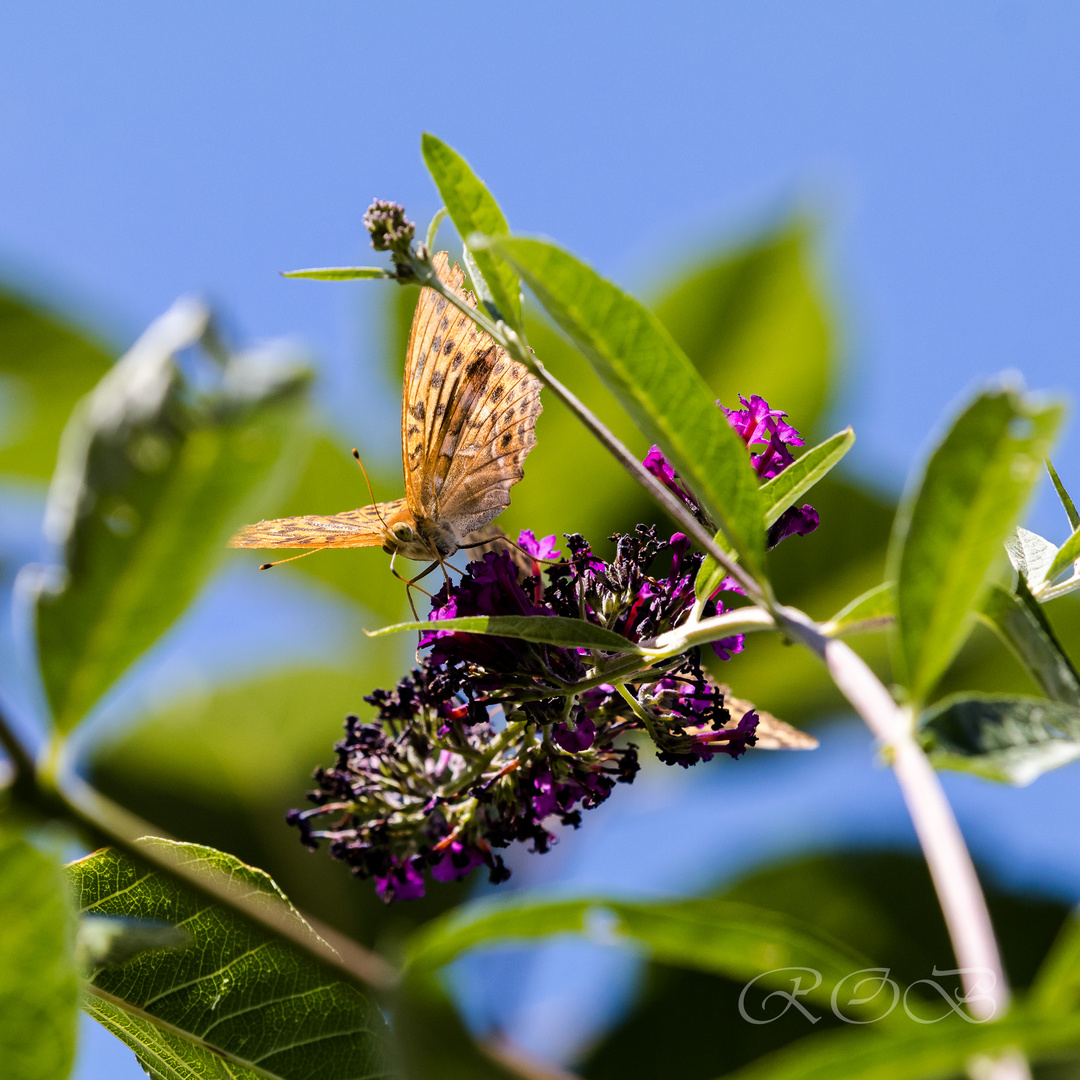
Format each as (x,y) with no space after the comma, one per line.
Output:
(953,873)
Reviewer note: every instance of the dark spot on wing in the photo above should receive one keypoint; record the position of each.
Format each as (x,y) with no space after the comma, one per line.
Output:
(440,410)
(418,410)
(440,306)
(506,440)
(436,343)
(448,348)
(413,430)
(496,394)
(437,379)
(456,362)
(445,324)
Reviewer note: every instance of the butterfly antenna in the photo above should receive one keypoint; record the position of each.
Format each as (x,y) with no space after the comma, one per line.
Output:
(374,504)
(291,558)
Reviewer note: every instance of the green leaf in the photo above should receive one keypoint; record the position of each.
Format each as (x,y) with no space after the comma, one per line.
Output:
(1020,622)
(786,488)
(1063,495)
(950,527)
(147,491)
(473,210)
(872,610)
(723,937)
(38,978)
(545,630)
(237,994)
(45,367)
(339,273)
(781,492)
(756,319)
(1068,553)
(1008,738)
(1057,986)
(915,1051)
(654,381)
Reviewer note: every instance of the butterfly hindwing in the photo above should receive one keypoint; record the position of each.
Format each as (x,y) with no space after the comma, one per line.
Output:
(353,528)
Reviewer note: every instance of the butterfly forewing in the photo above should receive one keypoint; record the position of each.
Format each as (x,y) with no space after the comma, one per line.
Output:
(353,528)
(469,414)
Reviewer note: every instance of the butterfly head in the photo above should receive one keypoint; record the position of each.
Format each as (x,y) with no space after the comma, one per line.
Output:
(423,539)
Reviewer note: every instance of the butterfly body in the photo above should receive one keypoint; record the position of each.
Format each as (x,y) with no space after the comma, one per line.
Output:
(467,423)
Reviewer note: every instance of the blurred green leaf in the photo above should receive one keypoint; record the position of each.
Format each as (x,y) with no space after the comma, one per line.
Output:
(654,381)
(147,490)
(1021,624)
(873,610)
(880,903)
(338,273)
(45,367)
(38,979)
(914,1051)
(547,630)
(755,321)
(950,527)
(238,992)
(738,940)
(1057,986)
(473,210)
(1063,495)
(1011,739)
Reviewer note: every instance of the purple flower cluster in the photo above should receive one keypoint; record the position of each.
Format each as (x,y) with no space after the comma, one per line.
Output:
(491,740)
(487,742)
(767,436)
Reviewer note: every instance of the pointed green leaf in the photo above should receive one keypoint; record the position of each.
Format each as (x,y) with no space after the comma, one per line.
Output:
(1011,739)
(147,491)
(786,488)
(545,630)
(38,978)
(1022,625)
(1057,986)
(238,997)
(756,319)
(473,210)
(951,525)
(873,610)
(1068,553)
(654,381)
(778,494)
(1063,495)
(339,273)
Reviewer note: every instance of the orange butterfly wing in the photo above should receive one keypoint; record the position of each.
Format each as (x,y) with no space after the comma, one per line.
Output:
(353,528)
(468,414)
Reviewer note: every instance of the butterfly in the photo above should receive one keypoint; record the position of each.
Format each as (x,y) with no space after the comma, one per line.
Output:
(468,419)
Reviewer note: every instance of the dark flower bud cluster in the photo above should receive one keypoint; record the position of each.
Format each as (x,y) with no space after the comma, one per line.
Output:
(390,229)
(492,740)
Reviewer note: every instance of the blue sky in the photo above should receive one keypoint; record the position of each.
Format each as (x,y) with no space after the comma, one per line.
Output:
(148,150)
